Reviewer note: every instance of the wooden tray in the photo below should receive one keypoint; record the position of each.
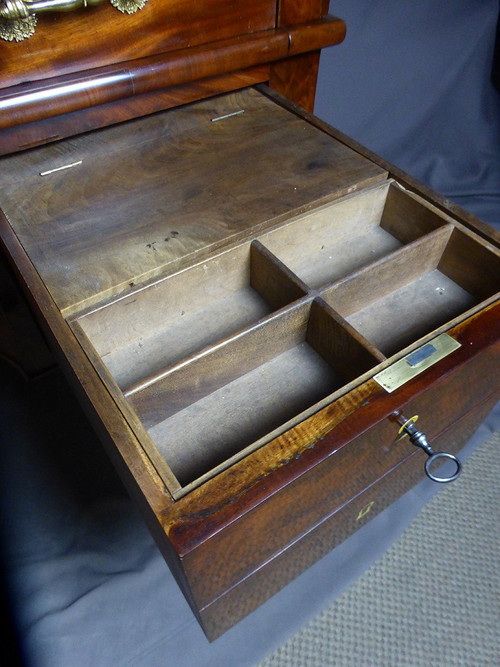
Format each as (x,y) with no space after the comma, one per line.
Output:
(223,283)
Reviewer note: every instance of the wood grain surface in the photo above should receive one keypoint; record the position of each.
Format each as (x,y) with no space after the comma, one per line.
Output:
(61,43)
(69,92)
(277,437)
(54,128)
(287,510)
(143,196)
(218,616)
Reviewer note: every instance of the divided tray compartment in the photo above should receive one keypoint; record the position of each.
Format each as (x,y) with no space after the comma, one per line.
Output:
(215,360)
(171,319)
(164,322)
(216,404)
(334,240)
(417,290)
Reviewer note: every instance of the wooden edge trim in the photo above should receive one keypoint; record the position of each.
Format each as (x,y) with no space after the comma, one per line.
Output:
(131,418)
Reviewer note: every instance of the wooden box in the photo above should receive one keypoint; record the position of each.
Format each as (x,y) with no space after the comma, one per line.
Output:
(233,291)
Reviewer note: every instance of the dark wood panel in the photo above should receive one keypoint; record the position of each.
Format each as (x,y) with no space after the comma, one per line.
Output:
(63,94)
(267,580)
(60,44)
(296,78)
(293,511)
(298,11)
(54,128)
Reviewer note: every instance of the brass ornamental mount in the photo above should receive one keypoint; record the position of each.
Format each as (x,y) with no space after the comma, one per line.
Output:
(18,17)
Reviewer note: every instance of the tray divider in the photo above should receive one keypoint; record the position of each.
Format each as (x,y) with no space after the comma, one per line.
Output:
(339,343)
(472,264)
(134,423)
(194,378)
(406,218)
(272,279)
(403,266)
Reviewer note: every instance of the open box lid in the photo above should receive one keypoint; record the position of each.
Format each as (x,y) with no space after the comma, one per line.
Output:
(102,212)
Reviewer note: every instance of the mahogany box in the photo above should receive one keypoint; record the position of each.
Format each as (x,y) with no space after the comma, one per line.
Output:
(256,313)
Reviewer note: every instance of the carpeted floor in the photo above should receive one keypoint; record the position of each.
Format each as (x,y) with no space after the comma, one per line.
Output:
(433,599)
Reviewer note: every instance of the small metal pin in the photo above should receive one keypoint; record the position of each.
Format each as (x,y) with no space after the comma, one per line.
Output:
(66,166)
(228,115)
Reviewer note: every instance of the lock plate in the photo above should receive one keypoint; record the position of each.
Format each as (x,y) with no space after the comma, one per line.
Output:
(413,364)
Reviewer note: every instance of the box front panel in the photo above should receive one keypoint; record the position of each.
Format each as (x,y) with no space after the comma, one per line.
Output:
(265,581)
(352,465)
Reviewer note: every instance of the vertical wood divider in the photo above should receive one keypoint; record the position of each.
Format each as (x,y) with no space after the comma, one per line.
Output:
(272,279)
(344,348)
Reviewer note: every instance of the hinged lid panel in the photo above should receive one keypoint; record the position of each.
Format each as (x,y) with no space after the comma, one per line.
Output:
(102,212)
